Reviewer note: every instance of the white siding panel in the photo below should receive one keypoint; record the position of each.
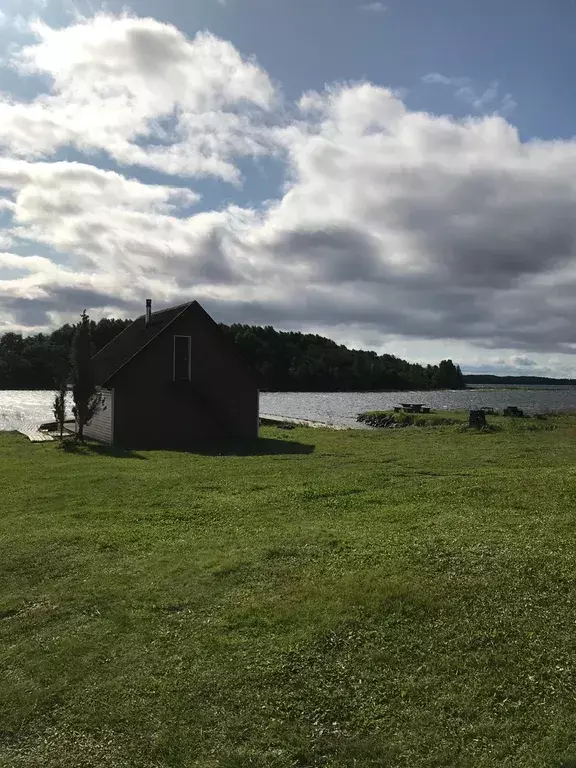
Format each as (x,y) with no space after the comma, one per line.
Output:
(102,425)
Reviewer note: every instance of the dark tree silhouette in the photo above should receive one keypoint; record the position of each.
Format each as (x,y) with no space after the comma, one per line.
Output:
(447,376)
(87,402)
(60,409)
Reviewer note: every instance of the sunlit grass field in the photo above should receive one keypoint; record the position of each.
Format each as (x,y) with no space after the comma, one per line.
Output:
(402,598)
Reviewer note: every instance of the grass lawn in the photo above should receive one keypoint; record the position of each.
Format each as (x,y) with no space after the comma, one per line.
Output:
(402,598)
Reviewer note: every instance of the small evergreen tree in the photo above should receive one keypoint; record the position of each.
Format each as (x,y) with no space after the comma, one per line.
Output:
(87,402)
(60,409)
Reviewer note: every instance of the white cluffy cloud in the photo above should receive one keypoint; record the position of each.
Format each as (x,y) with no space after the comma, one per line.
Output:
(393,227)
(142,92)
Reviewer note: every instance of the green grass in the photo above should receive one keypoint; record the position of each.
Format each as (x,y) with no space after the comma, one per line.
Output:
(459,419)
(363,598)
(436,419)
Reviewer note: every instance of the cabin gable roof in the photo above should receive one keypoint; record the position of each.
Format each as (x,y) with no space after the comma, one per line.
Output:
(131,341)
(134,339)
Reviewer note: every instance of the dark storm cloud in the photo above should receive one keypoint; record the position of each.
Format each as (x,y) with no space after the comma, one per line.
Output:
(334,254)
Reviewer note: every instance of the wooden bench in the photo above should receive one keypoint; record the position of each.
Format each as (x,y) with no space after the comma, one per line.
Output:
(513,411)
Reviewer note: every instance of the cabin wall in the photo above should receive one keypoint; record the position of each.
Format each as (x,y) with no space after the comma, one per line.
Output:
(220,375)
(102,425)
(220,401)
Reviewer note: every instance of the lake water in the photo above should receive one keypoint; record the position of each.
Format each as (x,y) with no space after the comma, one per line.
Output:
(343,407)
(17,407)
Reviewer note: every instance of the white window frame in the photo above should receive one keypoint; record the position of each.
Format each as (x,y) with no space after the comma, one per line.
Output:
(181,336)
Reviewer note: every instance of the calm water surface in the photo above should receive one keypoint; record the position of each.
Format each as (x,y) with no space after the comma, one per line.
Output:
(342,408)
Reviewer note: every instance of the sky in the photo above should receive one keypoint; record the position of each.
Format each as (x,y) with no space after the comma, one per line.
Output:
(398,176)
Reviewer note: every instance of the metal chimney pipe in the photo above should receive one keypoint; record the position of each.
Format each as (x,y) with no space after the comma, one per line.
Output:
(148,312)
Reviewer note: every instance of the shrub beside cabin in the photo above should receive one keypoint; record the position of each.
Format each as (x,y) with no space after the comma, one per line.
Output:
(170,379)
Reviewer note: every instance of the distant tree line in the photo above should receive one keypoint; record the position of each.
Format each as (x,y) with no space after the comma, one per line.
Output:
(481,378)
(42,361)
(305,362)
(282,361)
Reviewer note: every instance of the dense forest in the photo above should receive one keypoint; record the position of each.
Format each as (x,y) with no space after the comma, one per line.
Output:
(283,361)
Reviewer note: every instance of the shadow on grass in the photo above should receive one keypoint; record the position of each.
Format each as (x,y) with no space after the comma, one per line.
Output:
(265,446)
(89,449)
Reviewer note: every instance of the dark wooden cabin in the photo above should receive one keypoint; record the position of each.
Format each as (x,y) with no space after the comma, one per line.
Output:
(173,378)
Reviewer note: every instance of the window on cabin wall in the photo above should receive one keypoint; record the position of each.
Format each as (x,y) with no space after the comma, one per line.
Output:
(182,358)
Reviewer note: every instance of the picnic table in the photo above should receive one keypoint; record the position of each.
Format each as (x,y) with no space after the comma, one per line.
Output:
(414,408)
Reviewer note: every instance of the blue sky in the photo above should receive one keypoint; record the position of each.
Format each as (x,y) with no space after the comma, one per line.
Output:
(526,45)
(419,200)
